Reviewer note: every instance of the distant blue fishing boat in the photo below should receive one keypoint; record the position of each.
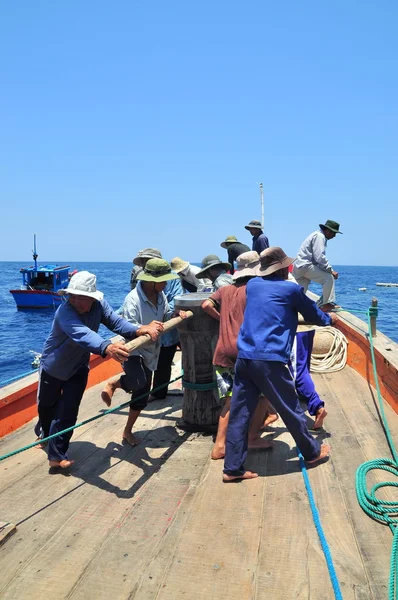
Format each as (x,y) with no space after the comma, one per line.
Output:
(40,284)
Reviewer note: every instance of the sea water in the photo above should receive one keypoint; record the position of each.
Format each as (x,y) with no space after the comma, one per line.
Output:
(23,332)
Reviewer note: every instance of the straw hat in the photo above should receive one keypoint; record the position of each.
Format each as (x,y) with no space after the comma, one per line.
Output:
(178,265)
(209,261)
(271,260)
(247,264)
(146,253)
(83,284)
(157,270)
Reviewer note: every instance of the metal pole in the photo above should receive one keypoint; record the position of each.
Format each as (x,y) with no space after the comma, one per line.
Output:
(373,315)
(262,204)
(35,255)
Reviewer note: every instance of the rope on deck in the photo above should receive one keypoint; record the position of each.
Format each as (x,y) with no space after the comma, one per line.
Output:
(322,538)
(383,511)
(94,418)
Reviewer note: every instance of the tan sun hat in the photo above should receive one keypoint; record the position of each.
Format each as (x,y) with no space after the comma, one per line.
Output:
(272,259)
(178,265)
(83,284)
(247,265)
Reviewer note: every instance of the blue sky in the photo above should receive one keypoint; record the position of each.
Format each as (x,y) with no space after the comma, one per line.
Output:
(129,124)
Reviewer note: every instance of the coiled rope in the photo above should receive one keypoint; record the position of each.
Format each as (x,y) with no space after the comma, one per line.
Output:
(383,511)
(333,359)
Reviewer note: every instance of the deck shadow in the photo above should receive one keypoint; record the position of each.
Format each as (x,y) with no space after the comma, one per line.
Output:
(91,471)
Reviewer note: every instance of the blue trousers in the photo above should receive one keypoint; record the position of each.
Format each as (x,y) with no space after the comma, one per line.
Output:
(304,385)
(58,407)
(274,380)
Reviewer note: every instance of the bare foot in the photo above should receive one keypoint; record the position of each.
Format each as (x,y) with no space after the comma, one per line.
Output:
(260,444)
(324,453)
(41,446)
(109,390)
(329,307)
(246,475)
(320,415)
(63,464)
(271,418)
(130,439)
(218,452)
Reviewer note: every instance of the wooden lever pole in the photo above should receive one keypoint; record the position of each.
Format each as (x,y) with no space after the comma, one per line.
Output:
(142,340)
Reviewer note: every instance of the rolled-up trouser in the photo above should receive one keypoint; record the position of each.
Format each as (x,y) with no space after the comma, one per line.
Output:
(136,381)
(304,276)
(58,407)
(274,380)
(304,384)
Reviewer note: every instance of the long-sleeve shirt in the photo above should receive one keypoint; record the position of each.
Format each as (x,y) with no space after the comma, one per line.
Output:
(138,310)
(234,250)
(189,281)
(73,336)
(173,288)
(271,317)
(312,252)
(260,242)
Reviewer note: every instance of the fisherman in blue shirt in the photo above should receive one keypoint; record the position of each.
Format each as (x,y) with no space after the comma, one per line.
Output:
(264,347)
(66,354)
(260,240)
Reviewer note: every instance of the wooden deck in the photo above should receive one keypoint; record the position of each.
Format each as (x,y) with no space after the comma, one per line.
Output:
(157,522)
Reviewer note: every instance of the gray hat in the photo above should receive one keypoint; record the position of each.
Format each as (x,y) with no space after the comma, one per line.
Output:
(247,264)
(209,261)
(83,283)
(254,225)
(145,254)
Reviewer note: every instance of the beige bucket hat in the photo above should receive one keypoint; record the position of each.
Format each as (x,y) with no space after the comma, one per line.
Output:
(247,265)
(178,265)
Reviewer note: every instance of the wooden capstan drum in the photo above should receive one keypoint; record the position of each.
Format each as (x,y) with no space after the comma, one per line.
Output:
(198,338)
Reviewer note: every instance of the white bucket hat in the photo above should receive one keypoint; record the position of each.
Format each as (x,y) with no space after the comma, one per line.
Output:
(83,284)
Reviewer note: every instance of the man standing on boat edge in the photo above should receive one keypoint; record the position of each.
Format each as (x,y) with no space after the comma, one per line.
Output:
(66,354)
(311,264)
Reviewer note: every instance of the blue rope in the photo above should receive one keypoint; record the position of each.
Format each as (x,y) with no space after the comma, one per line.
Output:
(317,521)
(7,381)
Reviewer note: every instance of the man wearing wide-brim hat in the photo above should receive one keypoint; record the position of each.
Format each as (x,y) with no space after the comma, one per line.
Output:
(234,249)
(145,304)
(215,269)
(311,263)
(140,261)
(264,347)
(187,274)
(66,354)
(260,241)
(227,305)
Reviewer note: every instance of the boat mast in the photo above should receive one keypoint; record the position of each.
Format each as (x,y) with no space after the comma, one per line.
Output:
(35,255)
(262,204)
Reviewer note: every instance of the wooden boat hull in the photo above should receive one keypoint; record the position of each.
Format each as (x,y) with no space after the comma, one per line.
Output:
(36,298)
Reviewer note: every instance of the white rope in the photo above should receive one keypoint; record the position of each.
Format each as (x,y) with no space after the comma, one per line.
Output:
(336,357)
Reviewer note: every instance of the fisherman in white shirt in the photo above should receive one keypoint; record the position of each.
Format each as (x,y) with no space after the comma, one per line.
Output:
(311,264)
(187,273)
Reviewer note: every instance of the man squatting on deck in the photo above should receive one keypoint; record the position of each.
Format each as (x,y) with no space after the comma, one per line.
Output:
(66,354)
(264,348)
(145,303)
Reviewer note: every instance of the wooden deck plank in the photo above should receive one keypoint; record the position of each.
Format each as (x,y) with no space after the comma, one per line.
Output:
(129,524)
(347,410)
